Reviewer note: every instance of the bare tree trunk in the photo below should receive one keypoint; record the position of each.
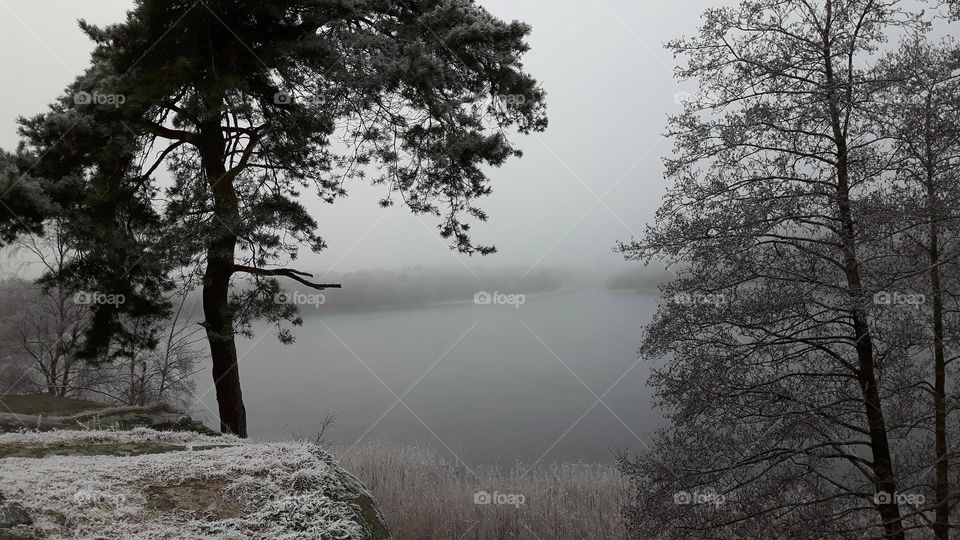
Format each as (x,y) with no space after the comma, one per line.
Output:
(941,525)
(882,463)
(51,377)
(130,378)
(64,384)
(216,283)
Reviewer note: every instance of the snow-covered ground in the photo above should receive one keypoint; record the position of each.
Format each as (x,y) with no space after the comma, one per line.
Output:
(287,490)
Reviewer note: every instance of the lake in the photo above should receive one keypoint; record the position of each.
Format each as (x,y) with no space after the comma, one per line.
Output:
(485,383)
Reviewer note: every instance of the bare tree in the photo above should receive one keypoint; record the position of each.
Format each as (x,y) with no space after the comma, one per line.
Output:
(920,113)
(51,322)
(790,413)
(165,374)
(46,326)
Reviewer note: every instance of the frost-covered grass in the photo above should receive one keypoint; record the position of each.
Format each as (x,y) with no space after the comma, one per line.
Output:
(424,495)
(284,490)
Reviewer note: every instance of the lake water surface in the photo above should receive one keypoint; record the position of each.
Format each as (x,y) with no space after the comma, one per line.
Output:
(486,383)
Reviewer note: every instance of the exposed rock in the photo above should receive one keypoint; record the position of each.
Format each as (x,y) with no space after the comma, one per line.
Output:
(201,497)
(145,483)
(82,469)
(366,506)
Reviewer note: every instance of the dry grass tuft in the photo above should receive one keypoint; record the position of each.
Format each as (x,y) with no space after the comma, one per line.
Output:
(423,495)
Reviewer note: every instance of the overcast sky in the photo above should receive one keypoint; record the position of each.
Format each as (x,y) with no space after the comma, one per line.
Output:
(593,178)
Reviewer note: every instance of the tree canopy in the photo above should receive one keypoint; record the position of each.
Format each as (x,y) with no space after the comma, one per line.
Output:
(251,106)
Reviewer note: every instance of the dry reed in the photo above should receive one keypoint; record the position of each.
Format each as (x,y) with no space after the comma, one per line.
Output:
(424,495)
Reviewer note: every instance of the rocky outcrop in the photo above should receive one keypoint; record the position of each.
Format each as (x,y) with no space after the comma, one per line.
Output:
(114,478)
(158,417)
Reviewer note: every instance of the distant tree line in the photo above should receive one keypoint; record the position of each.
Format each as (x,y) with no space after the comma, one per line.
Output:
(418,287)
(638,280)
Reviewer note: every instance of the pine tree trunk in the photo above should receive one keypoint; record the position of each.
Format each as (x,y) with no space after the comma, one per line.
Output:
(216,282)
(223,349)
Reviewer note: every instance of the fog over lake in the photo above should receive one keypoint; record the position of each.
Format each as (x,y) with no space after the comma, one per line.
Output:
(485,383)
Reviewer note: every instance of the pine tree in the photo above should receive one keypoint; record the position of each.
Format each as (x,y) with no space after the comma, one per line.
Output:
(251,103)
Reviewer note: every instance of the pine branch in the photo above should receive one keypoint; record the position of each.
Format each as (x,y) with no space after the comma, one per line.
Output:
(295,275)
